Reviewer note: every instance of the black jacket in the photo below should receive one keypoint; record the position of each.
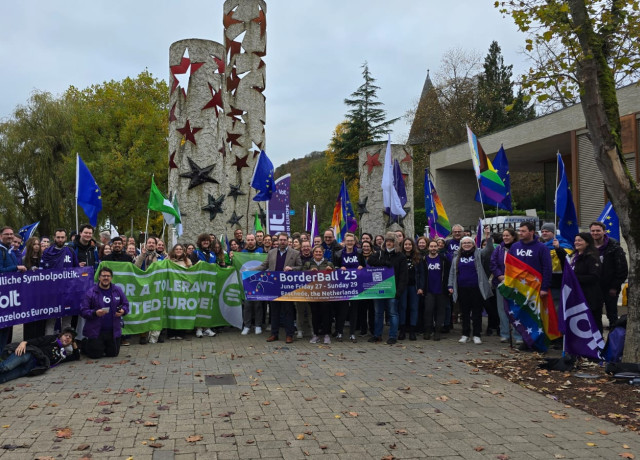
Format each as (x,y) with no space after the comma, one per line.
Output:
(45,350)
(118,257)
(395,260)
(614,267)
(337,258)
(588,270)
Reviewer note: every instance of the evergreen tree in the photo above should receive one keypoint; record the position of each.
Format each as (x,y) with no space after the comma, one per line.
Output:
(365,124)
(497,107)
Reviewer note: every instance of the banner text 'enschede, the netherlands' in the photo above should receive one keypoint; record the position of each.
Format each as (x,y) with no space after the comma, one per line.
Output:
(324,286)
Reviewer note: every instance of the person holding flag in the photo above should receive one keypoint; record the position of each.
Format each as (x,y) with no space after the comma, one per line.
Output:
(585,263)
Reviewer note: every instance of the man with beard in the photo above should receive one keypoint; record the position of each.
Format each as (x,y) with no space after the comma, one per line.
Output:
(203,251)
(8,263)
(117,252)
(85,248)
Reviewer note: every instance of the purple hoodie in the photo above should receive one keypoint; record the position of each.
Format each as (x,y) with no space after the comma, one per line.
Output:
(97,298)
(537,256)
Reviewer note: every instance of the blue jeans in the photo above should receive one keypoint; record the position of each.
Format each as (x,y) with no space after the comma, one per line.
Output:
(391,306)
(408,301)
(16,366)
(504,320)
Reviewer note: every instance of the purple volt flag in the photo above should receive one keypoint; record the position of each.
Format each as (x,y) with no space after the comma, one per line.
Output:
(575,321)
(278,217)
(479,233)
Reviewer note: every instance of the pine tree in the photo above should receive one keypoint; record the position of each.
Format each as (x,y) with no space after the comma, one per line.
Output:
(364,125)
(497,106)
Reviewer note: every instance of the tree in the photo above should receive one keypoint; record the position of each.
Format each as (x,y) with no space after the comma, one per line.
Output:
(599,36)
(364,125)
(497,106)
(33,146)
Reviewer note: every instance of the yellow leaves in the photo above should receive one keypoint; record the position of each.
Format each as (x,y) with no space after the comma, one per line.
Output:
(193,438)
(340,374)
(442,398)
(592,444)
(626,455)
(64,433)
(300,437)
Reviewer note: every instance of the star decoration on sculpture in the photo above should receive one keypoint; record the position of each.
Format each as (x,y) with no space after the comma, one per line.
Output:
(172,113)
(214,206)
(198,175)
(228,20)
(261,214)
(262,20)
(215,101)
(188,132)
(172,162)
(233,81)
(219,63)
(241,162)
(185,67)
(372,161)
(407,158)
(235,191)
(401,219)
(233,48)
(235,219)
(362,206)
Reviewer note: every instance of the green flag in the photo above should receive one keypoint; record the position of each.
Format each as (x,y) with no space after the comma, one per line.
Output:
(158,202)
(257,224)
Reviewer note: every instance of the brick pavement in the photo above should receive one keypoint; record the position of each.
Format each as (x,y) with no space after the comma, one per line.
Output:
(414,400)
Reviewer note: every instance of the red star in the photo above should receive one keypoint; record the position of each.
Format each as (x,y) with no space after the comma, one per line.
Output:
(223,151)
(233,48)
(406,159)
(172,113)
(262,20)
(405,177)
(228,20)
(256,153)
(172,163)
(219,63)
(216,100)
(372,160)
(188,133)
(182,68)
(233,81)
(234,114)
(241,162)
(233,139)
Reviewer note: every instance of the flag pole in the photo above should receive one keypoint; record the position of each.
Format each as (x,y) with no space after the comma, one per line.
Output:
(555,199)
(77,180)
(480,194)
(132,228)
(146,227)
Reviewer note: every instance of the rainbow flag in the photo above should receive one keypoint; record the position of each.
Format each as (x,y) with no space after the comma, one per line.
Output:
(534,319)
(436,216)
(491,185)
(344,219)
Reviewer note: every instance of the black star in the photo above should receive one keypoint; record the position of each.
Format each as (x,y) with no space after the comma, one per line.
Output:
(214,206)
(198,175)
(362,206)
(261,214)
(235,219)
(401,219)
(235,192)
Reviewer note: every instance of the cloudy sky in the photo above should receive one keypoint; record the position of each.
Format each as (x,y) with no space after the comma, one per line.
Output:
(314,52)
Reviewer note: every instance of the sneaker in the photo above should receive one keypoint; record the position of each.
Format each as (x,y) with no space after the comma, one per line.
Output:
(209,333)
(392,341)
(245,331)
(152,339)
(177,337)
(314,339)
(258,330)
(339,337)
(477,340)
(199,332)
(353,338)
(374,339)
(125,343)
(363,333)
(172,338)
(300,334)
(327,339)
(504,339)
(463,339)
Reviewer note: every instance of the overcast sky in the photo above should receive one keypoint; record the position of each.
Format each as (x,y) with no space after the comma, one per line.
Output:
(314,52)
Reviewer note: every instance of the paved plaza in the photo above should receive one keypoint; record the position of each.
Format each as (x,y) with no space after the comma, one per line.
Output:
(238,396)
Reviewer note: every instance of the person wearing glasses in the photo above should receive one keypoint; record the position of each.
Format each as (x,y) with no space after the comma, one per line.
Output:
(103,307)
(8,263)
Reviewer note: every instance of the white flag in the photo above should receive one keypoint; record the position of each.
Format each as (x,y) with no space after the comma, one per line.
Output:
(390,196)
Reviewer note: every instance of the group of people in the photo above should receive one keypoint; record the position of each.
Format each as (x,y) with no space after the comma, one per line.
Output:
(438,283)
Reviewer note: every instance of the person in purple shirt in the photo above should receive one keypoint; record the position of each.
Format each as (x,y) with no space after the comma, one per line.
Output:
(103,307)
(533,253)
(437,268)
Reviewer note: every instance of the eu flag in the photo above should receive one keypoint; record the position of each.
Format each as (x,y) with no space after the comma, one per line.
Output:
(88,195)
(610,220)
(262,179)
(27,232)
(565,210)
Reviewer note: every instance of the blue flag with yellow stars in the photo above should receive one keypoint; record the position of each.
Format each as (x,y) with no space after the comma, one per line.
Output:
(610,220)
(88,195)
(565,210)
(262,179)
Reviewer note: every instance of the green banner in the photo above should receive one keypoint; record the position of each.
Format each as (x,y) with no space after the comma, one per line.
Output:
(167,295)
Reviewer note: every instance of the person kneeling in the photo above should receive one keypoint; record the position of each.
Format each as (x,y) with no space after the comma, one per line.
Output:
(103,307)
(36,356)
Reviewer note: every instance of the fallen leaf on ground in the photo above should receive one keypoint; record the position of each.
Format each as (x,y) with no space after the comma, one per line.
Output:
(442,398)
(603,432)
(626,455)
(156,445)
(401,431)
(591,444)
(155,363)
(228,435)
(65,433)
(300,437)
(266,403)
(353,414)
(83,447)
(478,448)
(340,374)
(549,435)
(194,438)
(150,424)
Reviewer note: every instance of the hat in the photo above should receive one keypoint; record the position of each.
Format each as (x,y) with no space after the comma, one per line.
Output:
(390,236)
(549,226)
